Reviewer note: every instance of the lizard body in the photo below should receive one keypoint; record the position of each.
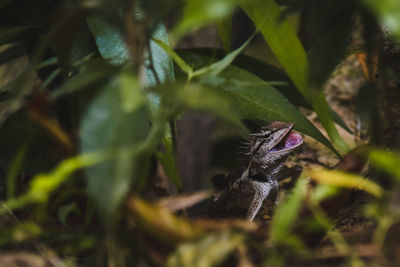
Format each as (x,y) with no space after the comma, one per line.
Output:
(268,150)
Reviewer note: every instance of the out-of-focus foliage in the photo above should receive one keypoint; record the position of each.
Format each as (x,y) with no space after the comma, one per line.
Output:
(198,13)
(90,96)
(341,179)
(387,12)
(386,160)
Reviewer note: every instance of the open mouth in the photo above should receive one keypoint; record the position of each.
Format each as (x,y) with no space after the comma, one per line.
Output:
(290,141)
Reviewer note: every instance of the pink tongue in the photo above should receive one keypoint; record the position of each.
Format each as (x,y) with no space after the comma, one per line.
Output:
(293,139)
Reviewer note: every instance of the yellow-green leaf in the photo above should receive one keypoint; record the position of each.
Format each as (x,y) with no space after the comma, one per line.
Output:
(347,180)
(386,160)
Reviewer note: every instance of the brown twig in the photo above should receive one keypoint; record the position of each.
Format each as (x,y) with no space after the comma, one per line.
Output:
(133,33)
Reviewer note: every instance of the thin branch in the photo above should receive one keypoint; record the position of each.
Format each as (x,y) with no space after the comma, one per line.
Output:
(133,33)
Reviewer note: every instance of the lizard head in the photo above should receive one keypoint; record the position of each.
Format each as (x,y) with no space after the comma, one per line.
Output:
(275,140)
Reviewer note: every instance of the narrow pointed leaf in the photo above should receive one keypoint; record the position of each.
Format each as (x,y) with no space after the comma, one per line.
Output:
(283,41)
(216,68)
(256,99)
(347,180)
(281,38)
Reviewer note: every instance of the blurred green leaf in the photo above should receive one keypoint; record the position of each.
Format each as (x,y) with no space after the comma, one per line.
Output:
(194,96)
(324,191)
(286,216)
(41,153)
(199,13)
(94,72)
(67,209)
(166,158)
(324,114)
(388,12)
(132,97)
(162,224)
(179,98)
(386,160)
(3,3)
(116,121)
(178,60)
(367,108)
(43,185)
(347,180)
(158,64)
(26,231)
(81,45)
(14,169)
(224,32)
(217,67)
(211,250)
(12,33)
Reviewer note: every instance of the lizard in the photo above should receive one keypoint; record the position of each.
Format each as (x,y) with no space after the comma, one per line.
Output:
(267,152)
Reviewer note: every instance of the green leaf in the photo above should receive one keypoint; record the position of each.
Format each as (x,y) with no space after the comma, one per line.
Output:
(281,38)
(14,169)
(285,44)
(109,40)
(215,68)
(67,209)
(286,215)
(269,74)
(194,96)
(386,160)
(94,72)
(388,13)
(198,13)
(346,180)
(224,32)
(166,158)
(42,185)
(81,45)
(12,33)
(178,60)
(116,121)
(324,114)
(256,99)
(112,46)
(162,62)
(263,102)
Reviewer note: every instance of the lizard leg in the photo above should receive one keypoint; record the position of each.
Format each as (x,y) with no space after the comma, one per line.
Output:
(261,192)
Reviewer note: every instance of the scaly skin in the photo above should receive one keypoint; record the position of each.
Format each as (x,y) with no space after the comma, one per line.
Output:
(259,180)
